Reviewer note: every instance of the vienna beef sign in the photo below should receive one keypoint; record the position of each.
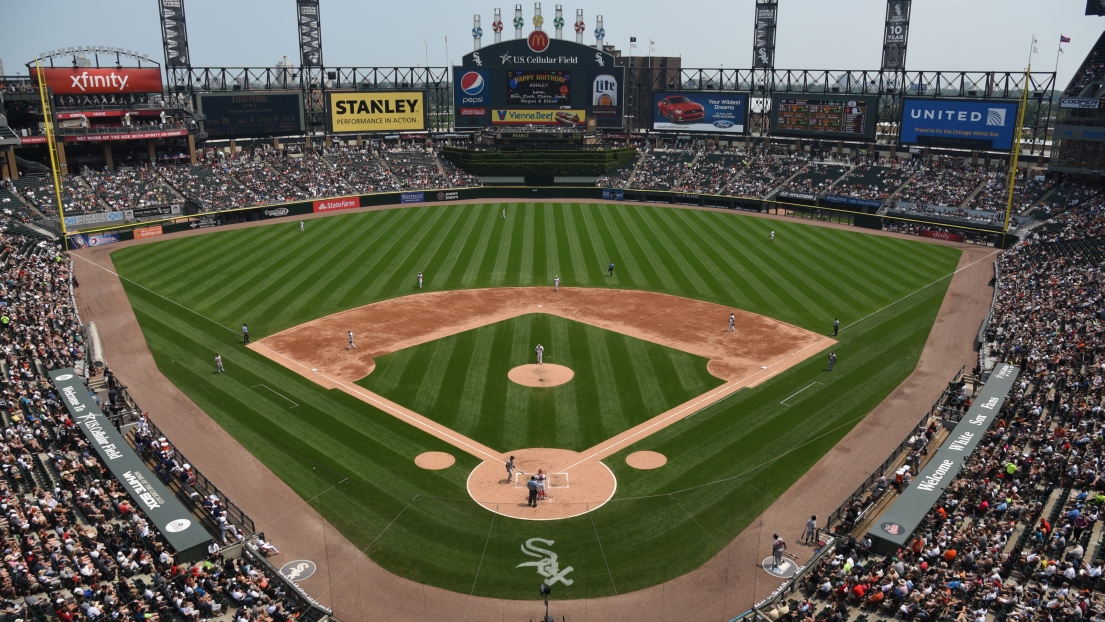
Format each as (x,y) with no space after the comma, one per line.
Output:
(93,81)
(380,111)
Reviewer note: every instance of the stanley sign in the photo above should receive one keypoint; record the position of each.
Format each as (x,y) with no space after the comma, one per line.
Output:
(381,111)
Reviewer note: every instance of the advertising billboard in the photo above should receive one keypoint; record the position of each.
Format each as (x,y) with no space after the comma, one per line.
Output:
(260,114)
(519,82)
(847,117)
(378,111)
(700,111)
(92,81)
(564,118)
(966,124)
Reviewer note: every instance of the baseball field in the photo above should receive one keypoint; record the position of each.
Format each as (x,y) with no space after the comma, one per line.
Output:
(353,459)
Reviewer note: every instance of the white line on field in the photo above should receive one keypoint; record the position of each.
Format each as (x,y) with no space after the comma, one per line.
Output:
(784,402)
(278,393)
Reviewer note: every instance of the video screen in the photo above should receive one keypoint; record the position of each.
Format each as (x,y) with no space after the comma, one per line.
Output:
(539,88)
(840,117)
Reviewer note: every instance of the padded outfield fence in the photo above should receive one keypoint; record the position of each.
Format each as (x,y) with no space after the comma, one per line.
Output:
(813,207)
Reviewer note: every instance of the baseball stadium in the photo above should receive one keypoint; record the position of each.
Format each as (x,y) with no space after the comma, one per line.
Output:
(556,332)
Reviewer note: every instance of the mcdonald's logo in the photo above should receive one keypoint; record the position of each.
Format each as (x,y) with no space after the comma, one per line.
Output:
(538,41)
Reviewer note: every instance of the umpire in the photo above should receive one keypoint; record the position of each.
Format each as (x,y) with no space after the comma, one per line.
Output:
(532,485)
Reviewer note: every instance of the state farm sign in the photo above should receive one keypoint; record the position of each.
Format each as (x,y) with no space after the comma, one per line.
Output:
(330,205)
(88,80)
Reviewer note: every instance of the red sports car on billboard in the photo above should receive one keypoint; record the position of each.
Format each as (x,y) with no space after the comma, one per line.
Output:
(680,108)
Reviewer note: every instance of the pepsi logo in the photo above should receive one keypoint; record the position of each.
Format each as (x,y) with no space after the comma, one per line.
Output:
(538,41)
(472,83)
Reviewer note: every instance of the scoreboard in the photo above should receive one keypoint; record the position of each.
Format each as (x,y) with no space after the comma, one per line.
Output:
(825,116)
(244,115)
(538,81)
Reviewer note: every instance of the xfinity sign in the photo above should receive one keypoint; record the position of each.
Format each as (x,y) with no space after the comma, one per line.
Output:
(966,124)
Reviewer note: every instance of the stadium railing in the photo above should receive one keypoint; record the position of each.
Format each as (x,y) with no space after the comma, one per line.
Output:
(203,486)
(827,544)
(315,612)
(868,483)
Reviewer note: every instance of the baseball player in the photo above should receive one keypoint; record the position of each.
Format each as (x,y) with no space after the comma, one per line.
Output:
(732,322)
(351,345)
(777,549)
(540,352)
(504,214)
(809,536)
(836,327)
(832,360)
(556,283)
(771,238)
(610,270)
(510,469)
(541,484)
(245,333)
(301,226)
(419,280)
(219,362)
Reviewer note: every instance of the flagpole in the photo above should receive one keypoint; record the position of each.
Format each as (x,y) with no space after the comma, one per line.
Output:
(1057,58)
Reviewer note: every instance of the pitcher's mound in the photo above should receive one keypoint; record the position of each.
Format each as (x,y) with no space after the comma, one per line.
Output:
(545,375)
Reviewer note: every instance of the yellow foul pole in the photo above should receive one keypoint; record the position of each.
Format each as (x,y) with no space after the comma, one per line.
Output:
(51,142)
(1016,150)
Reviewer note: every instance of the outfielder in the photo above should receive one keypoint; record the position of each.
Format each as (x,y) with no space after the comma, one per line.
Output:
(351,346)
(301,226)
(540,352)
(219,362)
(504,214)
(771,238)
(419,280)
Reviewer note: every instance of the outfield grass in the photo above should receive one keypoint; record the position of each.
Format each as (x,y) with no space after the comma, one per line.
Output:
(461,382)
(274,277)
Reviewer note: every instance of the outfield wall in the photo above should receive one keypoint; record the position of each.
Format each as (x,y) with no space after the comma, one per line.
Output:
(816,208)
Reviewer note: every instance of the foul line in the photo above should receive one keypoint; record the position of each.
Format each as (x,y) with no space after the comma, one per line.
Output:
(280,394)
(367,396)
(730,385)
(371,397)
(784,402)
(137,284)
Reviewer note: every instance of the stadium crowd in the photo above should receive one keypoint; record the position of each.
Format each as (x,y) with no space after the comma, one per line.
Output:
(944,184)
(75,546)
(1017,534)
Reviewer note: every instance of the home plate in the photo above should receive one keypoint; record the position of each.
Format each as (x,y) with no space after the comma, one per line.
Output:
(785,570)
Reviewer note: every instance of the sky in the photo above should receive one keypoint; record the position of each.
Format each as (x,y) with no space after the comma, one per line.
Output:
(971,35)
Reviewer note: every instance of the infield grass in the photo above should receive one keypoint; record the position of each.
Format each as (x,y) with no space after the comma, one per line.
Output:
(461,382)
(725,464)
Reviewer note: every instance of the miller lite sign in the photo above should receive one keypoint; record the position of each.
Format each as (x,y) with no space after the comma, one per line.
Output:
(604,91)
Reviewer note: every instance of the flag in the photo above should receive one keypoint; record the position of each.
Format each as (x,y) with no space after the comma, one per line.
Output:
(1064,39)
(651,45)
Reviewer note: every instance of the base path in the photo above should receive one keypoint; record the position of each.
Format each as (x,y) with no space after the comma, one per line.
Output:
(760,348)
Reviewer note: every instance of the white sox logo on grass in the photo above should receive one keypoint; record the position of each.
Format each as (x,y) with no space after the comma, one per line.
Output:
(546,564)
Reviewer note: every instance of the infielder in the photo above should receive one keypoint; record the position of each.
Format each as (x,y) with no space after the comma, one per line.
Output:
(556,283)
(540,352)
(351,346)
(732,322)
(219,362)
(419,280)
